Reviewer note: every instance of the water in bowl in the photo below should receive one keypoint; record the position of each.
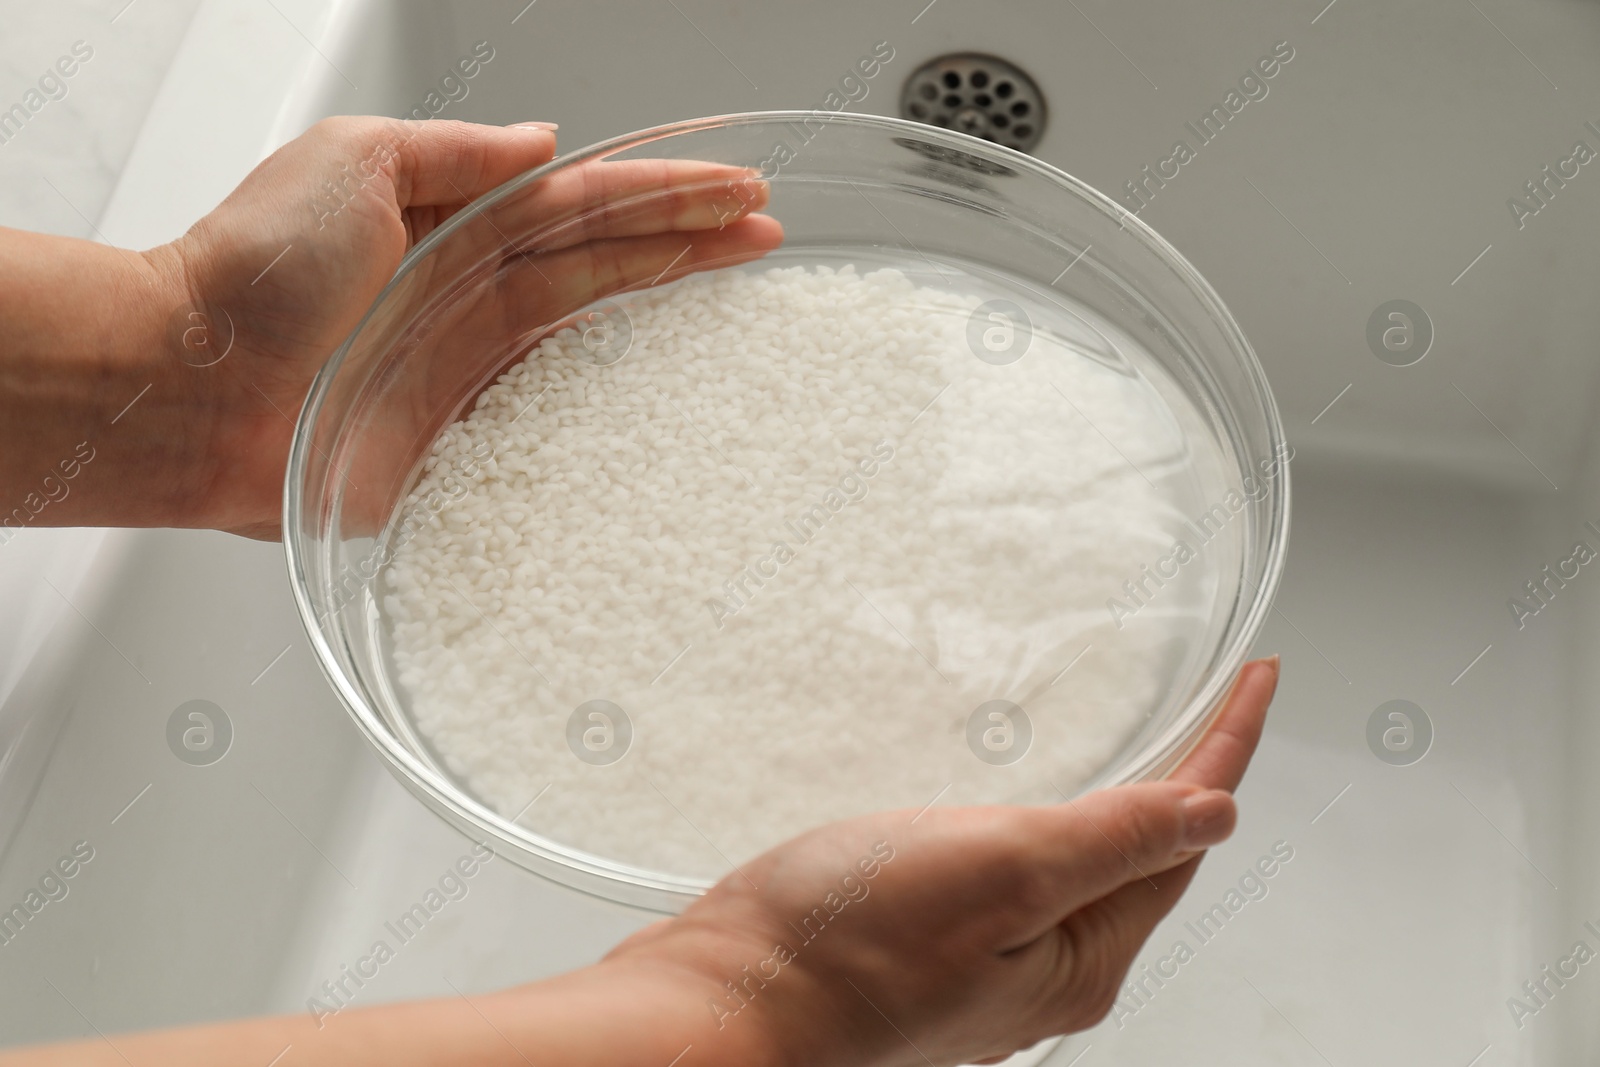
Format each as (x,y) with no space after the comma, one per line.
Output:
(753,551)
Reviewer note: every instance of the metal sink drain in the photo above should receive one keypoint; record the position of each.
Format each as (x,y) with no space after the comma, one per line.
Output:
(982,95)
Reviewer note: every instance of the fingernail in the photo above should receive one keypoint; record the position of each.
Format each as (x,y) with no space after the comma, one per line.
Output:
(536,126)
(1207,819)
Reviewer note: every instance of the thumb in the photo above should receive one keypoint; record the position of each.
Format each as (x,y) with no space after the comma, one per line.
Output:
(1099,843)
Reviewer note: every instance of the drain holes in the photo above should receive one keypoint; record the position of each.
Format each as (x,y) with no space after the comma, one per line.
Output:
(981,95)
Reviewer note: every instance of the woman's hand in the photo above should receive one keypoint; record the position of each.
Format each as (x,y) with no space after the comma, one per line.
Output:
(161,388)
(285,268)
(954,935)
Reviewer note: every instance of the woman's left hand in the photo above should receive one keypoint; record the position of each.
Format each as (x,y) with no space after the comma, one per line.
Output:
(284,269)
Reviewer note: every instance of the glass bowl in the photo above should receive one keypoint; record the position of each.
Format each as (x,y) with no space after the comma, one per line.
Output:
(1057,263)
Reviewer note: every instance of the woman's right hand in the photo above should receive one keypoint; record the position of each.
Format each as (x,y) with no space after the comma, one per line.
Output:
(954,935)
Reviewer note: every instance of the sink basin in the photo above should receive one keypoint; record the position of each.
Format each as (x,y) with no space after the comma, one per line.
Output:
(1425,882)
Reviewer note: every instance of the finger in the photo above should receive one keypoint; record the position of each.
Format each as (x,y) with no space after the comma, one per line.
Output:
(606,199)
(1120,922)
(626,198)
(438,162)
(1219,760)
(1088,848)
(543,289)
(1091,950)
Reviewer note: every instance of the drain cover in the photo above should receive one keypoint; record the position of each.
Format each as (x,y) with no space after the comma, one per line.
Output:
(982,95)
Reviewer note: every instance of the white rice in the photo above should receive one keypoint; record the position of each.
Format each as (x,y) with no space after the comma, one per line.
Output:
(592,557)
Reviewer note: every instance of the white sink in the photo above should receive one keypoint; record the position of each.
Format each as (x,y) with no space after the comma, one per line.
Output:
(1419,898)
